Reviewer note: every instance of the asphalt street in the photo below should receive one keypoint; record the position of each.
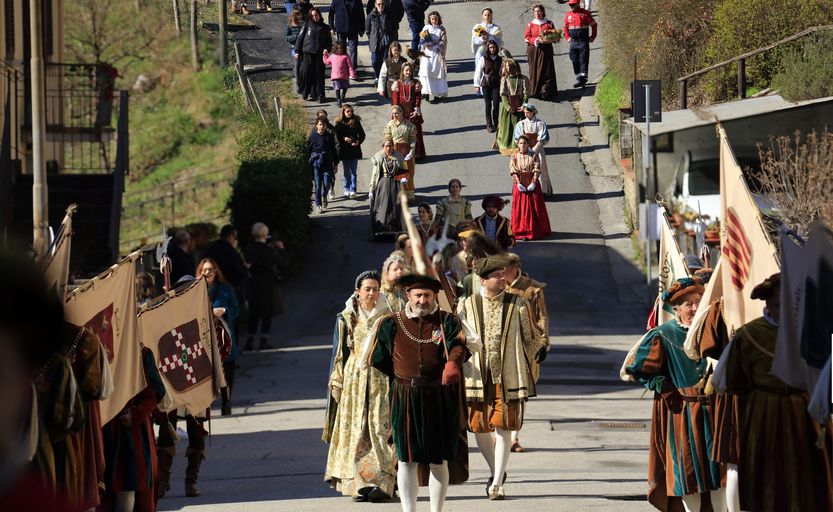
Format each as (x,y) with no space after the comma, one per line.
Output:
(586,433)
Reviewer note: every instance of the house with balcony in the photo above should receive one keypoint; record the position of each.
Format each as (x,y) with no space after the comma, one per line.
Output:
(85,145)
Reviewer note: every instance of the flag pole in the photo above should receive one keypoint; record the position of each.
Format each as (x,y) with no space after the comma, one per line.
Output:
(40,195)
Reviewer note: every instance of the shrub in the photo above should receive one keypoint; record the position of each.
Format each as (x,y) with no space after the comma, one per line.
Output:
(666,37)
(273,183)
(744,25)
(611,93)
(808,72)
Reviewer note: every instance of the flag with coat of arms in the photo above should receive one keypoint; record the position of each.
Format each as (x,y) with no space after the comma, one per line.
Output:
(106,305)
(747,253)
(179,329)
(672,266)
(56,263)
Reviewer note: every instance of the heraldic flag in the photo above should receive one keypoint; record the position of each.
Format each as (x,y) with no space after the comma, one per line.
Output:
(56,266)
(106,305)
(672,266)
(748,254)
(806,322)
(179,331)
(713,292)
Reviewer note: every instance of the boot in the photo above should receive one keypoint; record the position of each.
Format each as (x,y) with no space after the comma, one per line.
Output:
(250,344)
(264,344)
(165,458)
(192,471)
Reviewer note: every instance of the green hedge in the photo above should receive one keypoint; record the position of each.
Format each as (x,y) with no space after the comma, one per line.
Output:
(611,93)
(808,72)
(273,184)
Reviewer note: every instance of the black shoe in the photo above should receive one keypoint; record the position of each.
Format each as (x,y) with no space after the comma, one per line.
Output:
(578,84)
(424,97)
(225,410)
(377,495)
(322,99)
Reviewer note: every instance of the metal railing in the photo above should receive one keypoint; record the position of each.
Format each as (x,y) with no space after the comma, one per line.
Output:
(741,63)
(80,102)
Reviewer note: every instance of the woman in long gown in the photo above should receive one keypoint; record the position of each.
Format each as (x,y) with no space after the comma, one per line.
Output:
(537,134)
(403,134)
(432,67)
(309,51)
(407,93)
(388,169)
(514,91)
(539,36)
(360,462)
(529,212)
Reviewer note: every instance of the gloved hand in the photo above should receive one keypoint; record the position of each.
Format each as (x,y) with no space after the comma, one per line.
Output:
(409,156)
(403,181)
(521,188)
(531,187)
(671,397)
(451,373)
(541,355)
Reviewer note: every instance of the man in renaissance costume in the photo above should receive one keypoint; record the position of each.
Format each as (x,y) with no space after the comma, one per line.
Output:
(422,349)
(498,381)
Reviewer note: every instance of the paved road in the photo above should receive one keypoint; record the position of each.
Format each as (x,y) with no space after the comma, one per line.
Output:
(586,432)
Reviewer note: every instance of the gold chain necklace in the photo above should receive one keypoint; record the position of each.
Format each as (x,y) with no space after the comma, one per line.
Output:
(421,341)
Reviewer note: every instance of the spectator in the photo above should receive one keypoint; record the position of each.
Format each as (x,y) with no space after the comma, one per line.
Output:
(264,261)
(346,18)
(224,304)
(293,29)
(224,251)
(382,29)
(323,159)
(415,10)
(179,252)
(487,83)
(350,136)
(309,51)
(342,70)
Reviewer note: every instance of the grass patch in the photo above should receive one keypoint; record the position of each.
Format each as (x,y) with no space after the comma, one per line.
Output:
(611,93)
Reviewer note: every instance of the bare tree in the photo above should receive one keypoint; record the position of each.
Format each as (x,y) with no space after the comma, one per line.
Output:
(797,177)
(109,31)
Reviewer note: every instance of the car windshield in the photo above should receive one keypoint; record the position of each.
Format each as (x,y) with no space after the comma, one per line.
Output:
(704,177)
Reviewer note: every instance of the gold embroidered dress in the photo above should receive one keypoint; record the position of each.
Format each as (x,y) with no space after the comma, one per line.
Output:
(359,455)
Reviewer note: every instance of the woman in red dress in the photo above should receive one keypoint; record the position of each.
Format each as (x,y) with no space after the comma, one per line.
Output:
(529,212)
(407,93)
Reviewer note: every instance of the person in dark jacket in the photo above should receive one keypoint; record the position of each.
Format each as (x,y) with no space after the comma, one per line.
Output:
(349,135)
(382,29)
(309,51)
(346,17)
(264,262)
(179,252)
(415,10)
(224,252)
(323,158)
(294,22)
(487,82)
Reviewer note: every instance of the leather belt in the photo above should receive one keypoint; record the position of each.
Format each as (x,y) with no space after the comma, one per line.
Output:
(419,382)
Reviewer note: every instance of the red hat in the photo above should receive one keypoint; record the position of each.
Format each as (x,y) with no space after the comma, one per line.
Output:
(573,2)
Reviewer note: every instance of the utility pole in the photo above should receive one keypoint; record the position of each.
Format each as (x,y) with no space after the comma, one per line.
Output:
(40,195)
(195,48)
(222,8)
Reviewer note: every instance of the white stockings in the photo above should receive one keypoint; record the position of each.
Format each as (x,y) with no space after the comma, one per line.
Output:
(691,502)
(732,488)
(438,486)
(408,480)
(495,449)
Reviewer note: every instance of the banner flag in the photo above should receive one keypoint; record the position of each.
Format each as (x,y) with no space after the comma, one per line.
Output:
(713,292)
(106,305)
(179,330)
(749,254)
(56,265)
(672,266)
(805,325)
